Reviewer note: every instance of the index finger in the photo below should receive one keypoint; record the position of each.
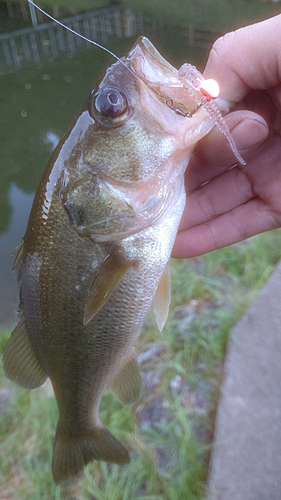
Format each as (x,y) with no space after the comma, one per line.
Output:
(249,58)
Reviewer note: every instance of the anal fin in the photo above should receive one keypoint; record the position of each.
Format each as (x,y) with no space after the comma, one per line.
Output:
(19,361)
(127,385)
(110,274)
(162,299)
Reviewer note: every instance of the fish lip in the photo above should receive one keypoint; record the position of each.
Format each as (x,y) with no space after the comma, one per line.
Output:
(149,65)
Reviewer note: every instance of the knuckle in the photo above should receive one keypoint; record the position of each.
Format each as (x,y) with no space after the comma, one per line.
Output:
(220,48)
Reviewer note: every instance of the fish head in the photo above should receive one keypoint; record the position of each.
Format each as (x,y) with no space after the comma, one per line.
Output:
(177,90)
(144,90)
(137,131)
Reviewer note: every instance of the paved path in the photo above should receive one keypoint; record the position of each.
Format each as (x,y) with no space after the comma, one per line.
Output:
(246,459)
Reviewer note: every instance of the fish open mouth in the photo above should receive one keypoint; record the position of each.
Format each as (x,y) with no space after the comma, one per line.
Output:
(161,77)
(180,90)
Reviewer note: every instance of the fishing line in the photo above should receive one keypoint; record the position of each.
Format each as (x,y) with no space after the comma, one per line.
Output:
(81,36)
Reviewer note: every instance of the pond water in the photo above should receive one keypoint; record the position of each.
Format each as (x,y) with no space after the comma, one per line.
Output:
(37,105)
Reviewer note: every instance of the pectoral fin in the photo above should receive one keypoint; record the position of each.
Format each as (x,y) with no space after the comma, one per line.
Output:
(127,386)
(112,271)
(162,299)
(19,361)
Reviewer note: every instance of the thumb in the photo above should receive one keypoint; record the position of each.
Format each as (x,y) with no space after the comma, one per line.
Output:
(213,155)
(248,130)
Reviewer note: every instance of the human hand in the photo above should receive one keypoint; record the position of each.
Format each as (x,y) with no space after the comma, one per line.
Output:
(225,205)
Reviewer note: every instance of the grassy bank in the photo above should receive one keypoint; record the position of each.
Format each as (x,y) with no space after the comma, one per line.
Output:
(168,433)
(215,14)
(71,4)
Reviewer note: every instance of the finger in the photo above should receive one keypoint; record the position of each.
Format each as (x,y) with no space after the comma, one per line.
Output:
(212,155)
(248,58)
(222,194)
(260,177)
(236,225)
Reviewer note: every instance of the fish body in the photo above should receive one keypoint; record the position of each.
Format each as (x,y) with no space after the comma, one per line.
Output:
(95,254)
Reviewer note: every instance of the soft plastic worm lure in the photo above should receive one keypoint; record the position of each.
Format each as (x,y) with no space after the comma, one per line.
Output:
(194,82)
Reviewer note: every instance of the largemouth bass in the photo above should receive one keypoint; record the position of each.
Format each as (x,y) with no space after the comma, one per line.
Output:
(95,254)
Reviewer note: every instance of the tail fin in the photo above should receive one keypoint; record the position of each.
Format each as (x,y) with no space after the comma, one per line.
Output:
(71,454)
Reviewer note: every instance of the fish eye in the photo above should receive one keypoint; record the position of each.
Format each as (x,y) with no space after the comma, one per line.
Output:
(110,106)
(111,102)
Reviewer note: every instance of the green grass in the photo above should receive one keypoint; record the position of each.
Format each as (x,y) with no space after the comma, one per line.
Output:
(69,4)
(168,433)
(215,14)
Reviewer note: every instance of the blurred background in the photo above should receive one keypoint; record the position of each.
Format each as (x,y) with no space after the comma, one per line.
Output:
(46,74)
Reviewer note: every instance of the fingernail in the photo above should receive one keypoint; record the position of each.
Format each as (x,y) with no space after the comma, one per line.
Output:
(249,133)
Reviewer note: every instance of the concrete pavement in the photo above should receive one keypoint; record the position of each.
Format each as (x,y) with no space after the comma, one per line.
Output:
(246,457)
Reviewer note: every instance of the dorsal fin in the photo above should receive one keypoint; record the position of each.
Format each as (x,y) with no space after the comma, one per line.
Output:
(18,255)
(19,360)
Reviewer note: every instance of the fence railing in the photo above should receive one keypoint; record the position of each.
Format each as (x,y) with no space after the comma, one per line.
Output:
(199,37)
(29,46)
